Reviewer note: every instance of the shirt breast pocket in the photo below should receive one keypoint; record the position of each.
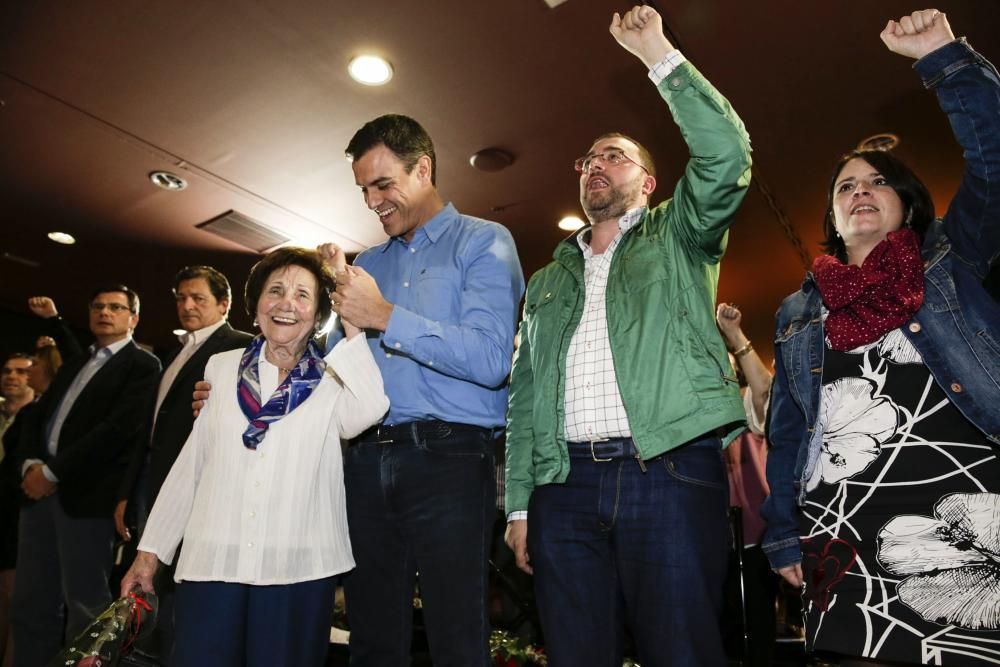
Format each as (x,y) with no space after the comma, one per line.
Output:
(438,293)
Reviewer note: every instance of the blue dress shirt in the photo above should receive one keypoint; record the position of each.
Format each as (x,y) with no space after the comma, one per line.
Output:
(447,351)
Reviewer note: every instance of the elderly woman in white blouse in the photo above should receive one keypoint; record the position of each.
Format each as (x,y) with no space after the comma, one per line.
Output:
(257,493)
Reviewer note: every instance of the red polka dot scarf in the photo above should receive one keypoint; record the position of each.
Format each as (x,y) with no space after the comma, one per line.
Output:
(867,301)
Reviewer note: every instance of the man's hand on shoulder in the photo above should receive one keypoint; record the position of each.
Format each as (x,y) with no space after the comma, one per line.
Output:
(202,388)
(640,32)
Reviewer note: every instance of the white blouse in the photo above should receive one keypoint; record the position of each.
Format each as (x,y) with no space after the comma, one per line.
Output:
(277,514)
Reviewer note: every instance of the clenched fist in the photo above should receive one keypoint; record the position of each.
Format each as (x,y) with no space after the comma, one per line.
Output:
(918,34)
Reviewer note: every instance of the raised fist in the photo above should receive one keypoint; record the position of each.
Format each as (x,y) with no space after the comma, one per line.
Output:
(640,32)
(42,306)
(918,34)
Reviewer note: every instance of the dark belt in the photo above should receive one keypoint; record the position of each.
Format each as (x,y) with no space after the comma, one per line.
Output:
(384,434)
(603,450)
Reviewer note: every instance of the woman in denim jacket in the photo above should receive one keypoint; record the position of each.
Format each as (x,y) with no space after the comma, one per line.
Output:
(885,412)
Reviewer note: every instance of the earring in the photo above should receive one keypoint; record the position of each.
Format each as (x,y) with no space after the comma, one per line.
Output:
(255,324)
(909,218)
(838,234)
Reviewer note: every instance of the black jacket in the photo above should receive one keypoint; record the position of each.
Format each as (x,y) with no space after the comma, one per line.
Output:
(174,420)
(101,430)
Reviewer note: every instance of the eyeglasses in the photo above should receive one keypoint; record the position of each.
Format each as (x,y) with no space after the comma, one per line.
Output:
(612,158)
(115,308)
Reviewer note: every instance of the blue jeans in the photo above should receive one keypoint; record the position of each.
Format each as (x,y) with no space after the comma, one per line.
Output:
(614,545)
(427,505)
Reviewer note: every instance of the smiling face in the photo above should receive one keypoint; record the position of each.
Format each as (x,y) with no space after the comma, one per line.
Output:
(865,207)
(608,191)
(14,378)
(197,307)
(402,200)
(286,309)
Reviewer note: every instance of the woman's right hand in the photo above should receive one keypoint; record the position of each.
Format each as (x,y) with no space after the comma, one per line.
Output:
(792,574)
(141,573)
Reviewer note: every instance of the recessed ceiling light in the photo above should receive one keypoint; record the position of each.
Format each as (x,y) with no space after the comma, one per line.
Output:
(62,237)
(370,70)
(571,223)
(168,181)
(491,159)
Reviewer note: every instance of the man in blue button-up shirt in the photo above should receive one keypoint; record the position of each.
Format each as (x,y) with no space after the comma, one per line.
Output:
(439,300)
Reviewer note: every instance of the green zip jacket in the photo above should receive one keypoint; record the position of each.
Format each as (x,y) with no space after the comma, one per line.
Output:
(671,364)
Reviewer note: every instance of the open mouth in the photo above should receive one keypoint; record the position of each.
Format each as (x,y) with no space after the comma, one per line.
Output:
(864,208)
(284,321)
(597,183)
(384,213)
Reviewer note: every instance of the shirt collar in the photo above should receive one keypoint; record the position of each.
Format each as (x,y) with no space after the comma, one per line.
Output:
(625,223)
(432,229)
(199,336)
(112,349)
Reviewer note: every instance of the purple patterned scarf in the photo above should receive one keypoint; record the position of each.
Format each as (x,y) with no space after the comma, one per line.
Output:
(289,395)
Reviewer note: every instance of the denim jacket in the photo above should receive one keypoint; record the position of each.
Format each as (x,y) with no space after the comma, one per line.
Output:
(956,330)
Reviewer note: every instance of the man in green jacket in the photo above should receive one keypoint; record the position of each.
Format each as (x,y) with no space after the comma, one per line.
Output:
(622,395)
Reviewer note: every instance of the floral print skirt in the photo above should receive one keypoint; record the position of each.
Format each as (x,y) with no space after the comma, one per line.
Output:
(901,528)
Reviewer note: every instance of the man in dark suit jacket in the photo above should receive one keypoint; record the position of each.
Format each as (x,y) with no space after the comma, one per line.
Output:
(203,299)
(74,451)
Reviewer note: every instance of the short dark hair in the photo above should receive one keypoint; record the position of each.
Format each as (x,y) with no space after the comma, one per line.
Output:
(645,157)
(291,256)
(18,355)
(217,283)
(133,298)
(918,206)
(402,135)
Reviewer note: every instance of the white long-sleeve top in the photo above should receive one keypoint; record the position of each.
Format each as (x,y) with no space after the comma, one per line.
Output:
(277,514)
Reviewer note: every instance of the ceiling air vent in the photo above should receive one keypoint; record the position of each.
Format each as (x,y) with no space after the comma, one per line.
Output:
(244,230)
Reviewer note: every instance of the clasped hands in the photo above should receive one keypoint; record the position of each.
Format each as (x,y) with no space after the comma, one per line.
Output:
(357,300)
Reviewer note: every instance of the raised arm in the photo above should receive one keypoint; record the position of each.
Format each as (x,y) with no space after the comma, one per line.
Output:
(363,402)
(718,172)
(58,332)
(757,375)
(968,90)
